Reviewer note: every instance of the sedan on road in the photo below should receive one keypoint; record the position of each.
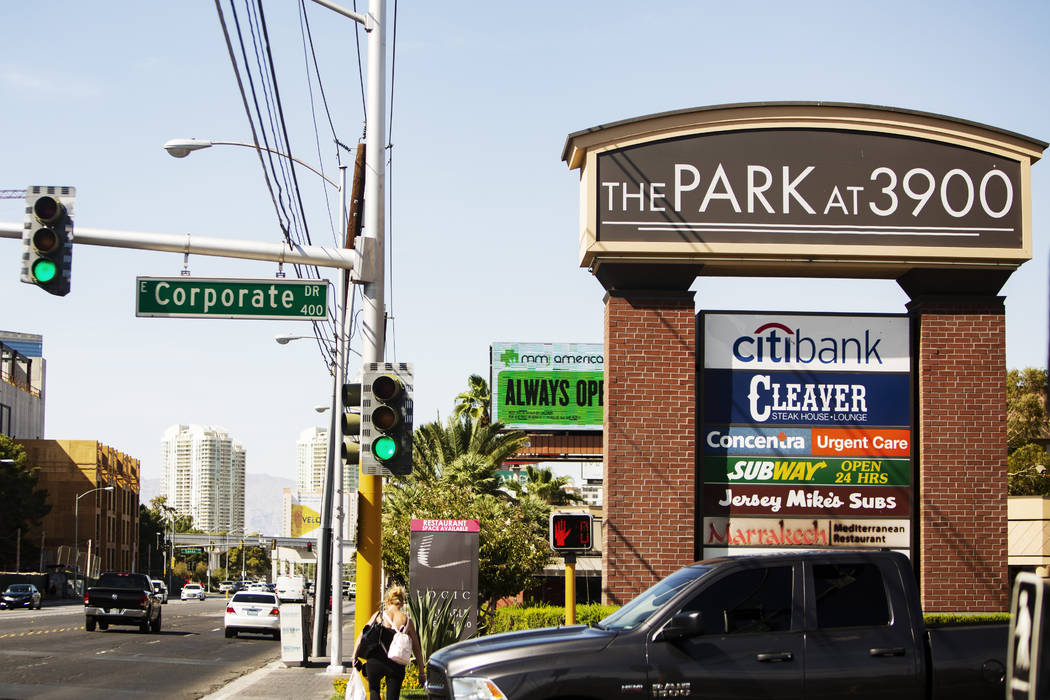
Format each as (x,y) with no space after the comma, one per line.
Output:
(161,589)
(192,590)
(253,611)
(21,595)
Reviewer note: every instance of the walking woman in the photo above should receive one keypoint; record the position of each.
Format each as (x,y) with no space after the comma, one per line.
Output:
(392,617)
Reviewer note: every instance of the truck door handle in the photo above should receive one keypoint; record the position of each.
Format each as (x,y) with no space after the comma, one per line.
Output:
(889,651)
(774,656)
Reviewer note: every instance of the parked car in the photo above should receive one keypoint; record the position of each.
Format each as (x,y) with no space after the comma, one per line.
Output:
(21,595)
(227,586)
(253,611)
(193,590)
(161,589)
(350,589)
(753,627)
(259,587)
(121,598)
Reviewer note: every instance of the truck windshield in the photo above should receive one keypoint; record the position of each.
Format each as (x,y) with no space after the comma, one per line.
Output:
(638,610)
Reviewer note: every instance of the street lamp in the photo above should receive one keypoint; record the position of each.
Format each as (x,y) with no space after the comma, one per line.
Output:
(180,148)
(76,532)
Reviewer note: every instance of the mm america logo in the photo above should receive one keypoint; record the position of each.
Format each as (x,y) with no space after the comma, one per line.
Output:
(777,343)
(510,356)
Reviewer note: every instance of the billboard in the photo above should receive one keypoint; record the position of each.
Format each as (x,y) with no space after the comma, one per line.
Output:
(806,436)
(302,514)
(548,385)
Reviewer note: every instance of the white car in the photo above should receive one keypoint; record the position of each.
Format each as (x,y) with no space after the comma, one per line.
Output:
(253,611)
(161,590)
(192,590)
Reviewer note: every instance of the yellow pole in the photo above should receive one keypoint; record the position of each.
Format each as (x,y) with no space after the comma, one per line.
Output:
(369,552)
(570,589)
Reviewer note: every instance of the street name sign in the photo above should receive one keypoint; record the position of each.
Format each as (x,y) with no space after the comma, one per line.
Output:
(190,297)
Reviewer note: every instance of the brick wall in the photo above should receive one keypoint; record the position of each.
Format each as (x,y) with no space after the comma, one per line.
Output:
(961,379)
(649,440)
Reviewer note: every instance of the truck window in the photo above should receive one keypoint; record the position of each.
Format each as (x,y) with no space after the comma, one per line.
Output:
(753,600)
(638,610)
(850,595)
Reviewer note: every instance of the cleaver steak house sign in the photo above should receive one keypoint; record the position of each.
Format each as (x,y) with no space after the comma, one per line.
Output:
(816,184)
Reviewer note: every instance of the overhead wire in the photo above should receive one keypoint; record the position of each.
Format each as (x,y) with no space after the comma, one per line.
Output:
(390,190)
(291,215)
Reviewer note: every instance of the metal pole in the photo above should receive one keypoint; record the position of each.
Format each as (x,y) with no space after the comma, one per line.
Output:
(323,576)
(335,460)
(200,245)
(76,543)
(370,499)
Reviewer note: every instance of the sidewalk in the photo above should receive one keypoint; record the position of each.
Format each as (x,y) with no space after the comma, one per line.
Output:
(274,680)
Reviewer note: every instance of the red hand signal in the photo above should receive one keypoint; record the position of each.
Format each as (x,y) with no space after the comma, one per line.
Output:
(561,531)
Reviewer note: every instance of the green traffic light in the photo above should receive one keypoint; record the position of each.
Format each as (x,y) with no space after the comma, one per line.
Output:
(384,447)
(44,270)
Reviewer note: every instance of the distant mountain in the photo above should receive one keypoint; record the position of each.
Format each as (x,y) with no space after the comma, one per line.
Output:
(262,500)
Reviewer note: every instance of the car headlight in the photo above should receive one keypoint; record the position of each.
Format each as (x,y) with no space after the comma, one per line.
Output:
(476,689)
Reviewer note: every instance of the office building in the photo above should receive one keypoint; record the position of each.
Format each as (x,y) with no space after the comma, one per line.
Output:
(203,476)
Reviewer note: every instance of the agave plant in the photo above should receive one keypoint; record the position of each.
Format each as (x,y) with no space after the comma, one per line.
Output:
(436,621)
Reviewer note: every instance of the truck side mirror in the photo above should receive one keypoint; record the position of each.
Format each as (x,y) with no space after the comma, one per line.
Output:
(684,624)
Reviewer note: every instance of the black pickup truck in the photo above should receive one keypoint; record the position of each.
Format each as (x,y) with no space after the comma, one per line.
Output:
(122,599)
(800,626)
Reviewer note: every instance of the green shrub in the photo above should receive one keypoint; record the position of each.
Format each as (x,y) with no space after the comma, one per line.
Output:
(946,619)
(533,617)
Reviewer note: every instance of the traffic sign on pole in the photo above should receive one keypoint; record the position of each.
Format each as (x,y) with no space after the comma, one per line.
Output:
(196,297)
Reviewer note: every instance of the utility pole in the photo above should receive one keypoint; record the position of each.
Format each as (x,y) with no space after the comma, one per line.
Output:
(370,496)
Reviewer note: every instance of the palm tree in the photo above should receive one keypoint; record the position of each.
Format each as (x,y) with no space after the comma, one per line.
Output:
(464,451)
(541,483)
(474,402)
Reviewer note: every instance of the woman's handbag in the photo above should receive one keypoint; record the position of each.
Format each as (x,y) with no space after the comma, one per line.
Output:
(370,644)
(400,650)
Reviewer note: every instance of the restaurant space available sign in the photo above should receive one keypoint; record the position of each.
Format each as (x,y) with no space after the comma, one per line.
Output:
(444,560)
(548,385)
(806,430)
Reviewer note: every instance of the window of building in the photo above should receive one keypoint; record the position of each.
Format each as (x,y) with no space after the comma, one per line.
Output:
(5,421)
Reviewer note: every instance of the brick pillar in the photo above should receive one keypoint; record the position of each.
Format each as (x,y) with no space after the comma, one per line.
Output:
(649,439)
(959,354)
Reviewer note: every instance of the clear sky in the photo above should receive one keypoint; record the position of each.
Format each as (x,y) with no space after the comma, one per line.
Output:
(482,213)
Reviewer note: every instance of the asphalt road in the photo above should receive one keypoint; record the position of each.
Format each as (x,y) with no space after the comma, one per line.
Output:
(48,654)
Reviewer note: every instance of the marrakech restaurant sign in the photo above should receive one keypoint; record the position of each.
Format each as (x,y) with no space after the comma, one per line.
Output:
(833,185)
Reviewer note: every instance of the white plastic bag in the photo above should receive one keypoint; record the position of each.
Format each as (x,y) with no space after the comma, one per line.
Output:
(355,688)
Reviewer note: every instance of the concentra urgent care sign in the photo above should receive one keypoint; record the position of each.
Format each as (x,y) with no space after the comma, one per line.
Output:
(836,189)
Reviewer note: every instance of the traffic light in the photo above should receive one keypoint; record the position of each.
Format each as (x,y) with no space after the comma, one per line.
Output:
(571,532)
(351,448)
(47,238)
(386,414)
